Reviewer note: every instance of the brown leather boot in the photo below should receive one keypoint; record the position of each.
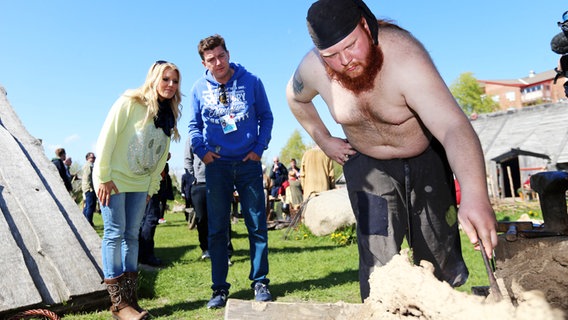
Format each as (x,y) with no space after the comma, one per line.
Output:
(131,287)
(121,308)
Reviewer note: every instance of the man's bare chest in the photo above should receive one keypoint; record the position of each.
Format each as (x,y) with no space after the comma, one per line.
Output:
(373,107)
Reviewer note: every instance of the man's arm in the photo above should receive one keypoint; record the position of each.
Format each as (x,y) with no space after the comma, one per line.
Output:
(426,93)
(265,119)
(300,91)
(196,125)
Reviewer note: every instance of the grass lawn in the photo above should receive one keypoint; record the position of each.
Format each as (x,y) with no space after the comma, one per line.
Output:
(302,268)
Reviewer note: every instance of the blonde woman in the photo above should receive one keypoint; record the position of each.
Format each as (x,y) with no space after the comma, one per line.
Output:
(133,148)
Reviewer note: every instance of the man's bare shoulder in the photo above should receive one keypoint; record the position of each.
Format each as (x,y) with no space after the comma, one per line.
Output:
(309,75)
(393,38)
(311,63)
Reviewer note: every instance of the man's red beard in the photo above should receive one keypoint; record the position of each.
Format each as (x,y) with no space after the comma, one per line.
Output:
(365,81)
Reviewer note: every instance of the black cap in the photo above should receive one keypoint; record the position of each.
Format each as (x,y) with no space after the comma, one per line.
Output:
(330,21)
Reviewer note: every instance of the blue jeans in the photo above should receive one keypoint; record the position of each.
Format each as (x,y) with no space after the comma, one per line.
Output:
(90,205)
(246,176)
(122,218)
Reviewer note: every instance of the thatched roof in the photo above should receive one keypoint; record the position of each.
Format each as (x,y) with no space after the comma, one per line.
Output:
(51,256)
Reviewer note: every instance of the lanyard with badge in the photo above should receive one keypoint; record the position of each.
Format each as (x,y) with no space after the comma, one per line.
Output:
(228,120)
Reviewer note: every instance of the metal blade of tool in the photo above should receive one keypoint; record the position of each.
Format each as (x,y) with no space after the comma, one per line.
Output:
(494,287)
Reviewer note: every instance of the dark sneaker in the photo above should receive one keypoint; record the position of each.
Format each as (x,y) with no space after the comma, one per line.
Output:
(218,299)
(261,292)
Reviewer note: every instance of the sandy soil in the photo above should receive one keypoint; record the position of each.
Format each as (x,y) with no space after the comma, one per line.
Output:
(535,264)
(405,291)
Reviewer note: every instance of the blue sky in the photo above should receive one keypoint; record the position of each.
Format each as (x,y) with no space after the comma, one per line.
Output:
(63,63)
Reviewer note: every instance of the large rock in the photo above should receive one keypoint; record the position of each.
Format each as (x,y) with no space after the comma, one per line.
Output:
(328,211)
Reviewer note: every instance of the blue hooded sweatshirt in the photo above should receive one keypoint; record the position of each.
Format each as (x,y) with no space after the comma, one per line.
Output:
(247,104)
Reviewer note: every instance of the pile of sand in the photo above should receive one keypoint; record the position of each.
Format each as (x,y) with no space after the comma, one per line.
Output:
(533,277)
(401,290)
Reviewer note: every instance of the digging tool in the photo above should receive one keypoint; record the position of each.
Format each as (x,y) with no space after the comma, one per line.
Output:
(493,286)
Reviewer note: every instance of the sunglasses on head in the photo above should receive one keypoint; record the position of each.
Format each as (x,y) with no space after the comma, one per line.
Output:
(223,95)
(159,62)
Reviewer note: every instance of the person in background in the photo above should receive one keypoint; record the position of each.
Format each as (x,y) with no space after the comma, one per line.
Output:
(316,174)
(278,174)
(133,147)
(294,168)
(230,127)
(152,216)
(186,184)
(166,191)
(89,195)
(278,177)
(61,169)
(404,135)
(68,162)
(293,195)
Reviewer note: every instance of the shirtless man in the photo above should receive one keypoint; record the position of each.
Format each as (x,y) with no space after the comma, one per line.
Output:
(381,86)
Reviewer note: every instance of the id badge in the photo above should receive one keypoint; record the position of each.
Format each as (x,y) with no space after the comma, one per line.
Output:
(228,124)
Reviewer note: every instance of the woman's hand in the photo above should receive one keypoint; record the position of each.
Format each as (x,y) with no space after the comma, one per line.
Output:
(105,190)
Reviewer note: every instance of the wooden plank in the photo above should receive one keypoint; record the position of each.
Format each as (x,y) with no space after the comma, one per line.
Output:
(13,269)
(253,310)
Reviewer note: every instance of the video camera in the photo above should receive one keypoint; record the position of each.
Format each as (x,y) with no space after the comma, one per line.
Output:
(559,44)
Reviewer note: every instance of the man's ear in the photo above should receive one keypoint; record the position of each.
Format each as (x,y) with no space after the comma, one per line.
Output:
(365,25)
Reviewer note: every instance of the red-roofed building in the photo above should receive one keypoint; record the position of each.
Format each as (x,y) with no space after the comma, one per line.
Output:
(535,89)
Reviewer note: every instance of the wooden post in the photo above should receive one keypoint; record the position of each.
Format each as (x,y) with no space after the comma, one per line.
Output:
(511,185)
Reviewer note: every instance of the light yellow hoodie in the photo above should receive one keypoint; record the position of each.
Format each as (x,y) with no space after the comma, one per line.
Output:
(130,153)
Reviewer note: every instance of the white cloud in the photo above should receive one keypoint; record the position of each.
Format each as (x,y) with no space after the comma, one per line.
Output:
(72,138)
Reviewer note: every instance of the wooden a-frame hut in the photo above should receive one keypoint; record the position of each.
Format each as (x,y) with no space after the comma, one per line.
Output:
(50,256)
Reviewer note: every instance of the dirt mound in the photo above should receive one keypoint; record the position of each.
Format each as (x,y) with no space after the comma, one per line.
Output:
(535,264)
(405,291)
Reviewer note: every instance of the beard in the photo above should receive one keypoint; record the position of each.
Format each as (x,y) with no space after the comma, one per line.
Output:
(365,81)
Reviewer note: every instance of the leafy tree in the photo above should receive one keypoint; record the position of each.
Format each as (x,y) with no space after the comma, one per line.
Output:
(471,96)
(294,148)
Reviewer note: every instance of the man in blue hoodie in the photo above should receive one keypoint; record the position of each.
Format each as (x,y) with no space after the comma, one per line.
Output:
(230,127)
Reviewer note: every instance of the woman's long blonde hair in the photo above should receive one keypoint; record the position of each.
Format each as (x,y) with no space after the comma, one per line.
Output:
(147,94)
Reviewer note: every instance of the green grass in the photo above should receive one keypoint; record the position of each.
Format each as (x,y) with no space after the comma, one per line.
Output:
(302,268)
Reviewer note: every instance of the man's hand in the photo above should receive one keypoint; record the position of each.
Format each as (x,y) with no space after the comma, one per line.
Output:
(105,190)
(478,221)
(337,149)
(252,156)
(210,157)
